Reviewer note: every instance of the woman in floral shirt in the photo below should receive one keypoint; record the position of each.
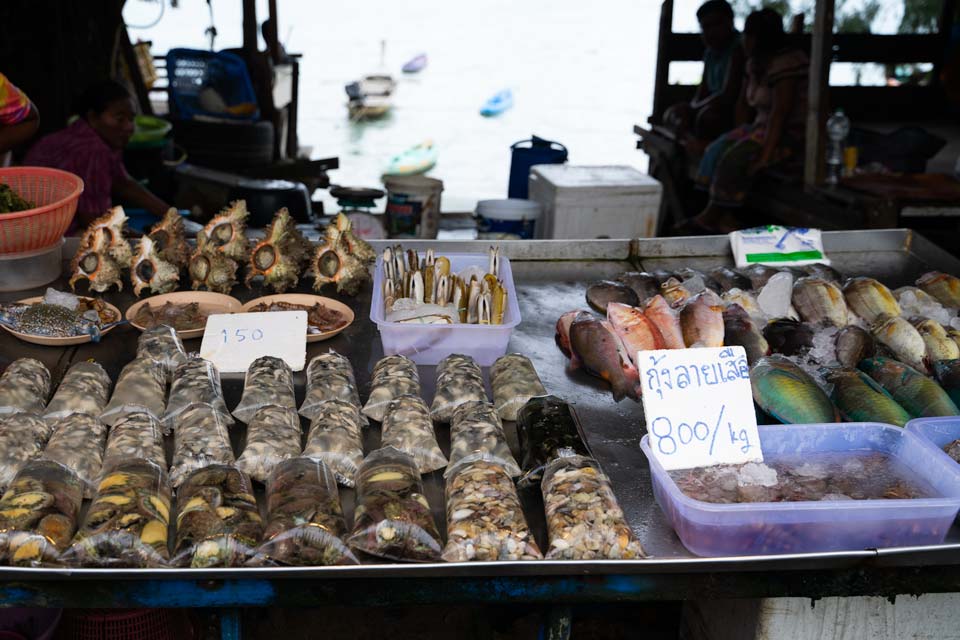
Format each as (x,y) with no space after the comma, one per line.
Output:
(19,119)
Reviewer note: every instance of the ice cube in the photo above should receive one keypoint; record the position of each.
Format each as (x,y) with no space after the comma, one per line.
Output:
(824,350)
(756,474)
(774,298)
(61,298)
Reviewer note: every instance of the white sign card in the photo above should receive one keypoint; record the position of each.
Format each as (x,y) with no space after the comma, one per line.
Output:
(699,407)
(233,341)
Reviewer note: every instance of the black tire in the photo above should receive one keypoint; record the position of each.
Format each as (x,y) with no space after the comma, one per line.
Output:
(226,145)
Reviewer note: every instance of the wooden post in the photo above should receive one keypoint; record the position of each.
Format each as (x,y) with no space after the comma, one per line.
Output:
(944,26)
(821,51)
(250,26)
(273,38)
(662,75)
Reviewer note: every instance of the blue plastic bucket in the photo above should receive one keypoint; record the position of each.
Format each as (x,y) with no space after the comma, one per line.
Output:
(509,219)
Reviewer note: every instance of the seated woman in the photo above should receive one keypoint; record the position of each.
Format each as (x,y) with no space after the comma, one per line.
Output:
(774,103)
(18,118)
(92,148)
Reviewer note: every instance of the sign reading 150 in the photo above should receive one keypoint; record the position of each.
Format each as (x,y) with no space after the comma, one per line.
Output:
(241,335)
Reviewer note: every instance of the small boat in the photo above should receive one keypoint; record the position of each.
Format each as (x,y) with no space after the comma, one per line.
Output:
(415,64)
(415,160)
(497,104)
(370,97)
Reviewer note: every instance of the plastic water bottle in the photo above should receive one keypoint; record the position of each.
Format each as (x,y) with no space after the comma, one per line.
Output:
(838,128)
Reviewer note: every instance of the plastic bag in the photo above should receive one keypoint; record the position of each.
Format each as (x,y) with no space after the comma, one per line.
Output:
(459,380)
(484,517)
(393,376)
(200,440)
(136,436)
(407,426)
(273,436)
(128,521)
(305,525)
(392,518)
(476,433)
(218,524)
(268,381)
(584,520)
(162,343)
(84,389)
(24,387)
(142,386)
(514,381)
(329,377)
(38,514)
(196,380)
(77,442)
(546,426)
(335,438)
(22,438)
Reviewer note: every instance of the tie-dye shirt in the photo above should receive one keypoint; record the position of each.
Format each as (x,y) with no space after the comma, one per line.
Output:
(14,104)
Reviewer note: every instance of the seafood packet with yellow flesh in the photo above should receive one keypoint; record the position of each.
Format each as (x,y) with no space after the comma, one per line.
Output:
(84,389)
(77,442)
(137,436)
(407,426)
(329,377)
(142,386)
(269,381)
(24,387)
(477,433)
(305,525)
(459,380)
(273,435)
(514,380)
(336,439)
(200,440)
(196,380)
(162,343)
(22,438)
(393,376)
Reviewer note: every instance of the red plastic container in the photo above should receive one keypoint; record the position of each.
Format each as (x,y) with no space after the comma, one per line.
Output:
(55,193)
(122,624)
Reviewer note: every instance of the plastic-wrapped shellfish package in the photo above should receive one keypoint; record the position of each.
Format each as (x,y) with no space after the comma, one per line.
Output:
(392,519)
(268,381)
(484,517)
(22,438)
(584,520)
(329,377)
(305,525)
(459,380)
(85,388)
(24,387)
(546,428)
(393,376)
(137,436)
(218,524)
(201,439)
(407,426)
(163,345)
(142,386)
(77,442)
(273,435)
(476,433)
(38,514)
(128,521)
(335,438)
(514,381)
(196,380)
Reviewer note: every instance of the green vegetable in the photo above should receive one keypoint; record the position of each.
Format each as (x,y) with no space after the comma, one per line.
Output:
(11,202)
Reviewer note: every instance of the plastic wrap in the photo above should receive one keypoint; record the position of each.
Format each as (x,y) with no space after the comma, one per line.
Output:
(273,436)
(305,525)
(142,386)
(195,381)
(584,520)
(77,442)
(128,521)
(546,427)
(137,436)
(329,377)
(476,433)
(407,426)
(514,380)
(22,438)
(484,517)
(84,389)
(335,438)
(269,381)
(200,440)
(38,514)
(393,376)
(24,387)
(162,344)
(392,519)
(459,380)
(218,524)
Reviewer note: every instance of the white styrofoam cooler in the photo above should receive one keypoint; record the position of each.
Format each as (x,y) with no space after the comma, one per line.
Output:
(586,202)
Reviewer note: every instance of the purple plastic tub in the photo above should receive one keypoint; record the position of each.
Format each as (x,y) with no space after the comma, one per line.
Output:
(936,432)
(763,528)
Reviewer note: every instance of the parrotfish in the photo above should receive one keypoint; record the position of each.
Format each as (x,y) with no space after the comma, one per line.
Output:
(942,286)
(644,284)
(915,392)
(902,339)
(702,322)
(562,336)
(786,392)
(602,293)
(659,311)
(739,330)
(860,399)
(853,344)
(870,299)
(599,351)
(948,375)
(819,302)
(788,336)
(635,330)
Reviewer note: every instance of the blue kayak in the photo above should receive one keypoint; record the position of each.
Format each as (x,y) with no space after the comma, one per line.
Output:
(416,64)
(497,104)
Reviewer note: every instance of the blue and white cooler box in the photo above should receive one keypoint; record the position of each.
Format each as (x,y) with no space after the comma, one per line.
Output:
(508,219)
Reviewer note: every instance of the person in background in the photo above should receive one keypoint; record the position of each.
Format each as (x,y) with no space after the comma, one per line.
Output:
(711,110)
(19,119)
(772,115)
(92,148)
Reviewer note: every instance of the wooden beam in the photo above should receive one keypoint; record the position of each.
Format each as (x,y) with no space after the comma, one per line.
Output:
(250,26)
(818,98)
(662,74)
(273,38)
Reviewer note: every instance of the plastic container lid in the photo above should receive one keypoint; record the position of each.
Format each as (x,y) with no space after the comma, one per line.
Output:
(509,209)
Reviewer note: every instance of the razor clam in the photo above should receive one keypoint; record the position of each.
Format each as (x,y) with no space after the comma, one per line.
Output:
(137,436)
(305,524)
(84,389)
(407,426)
(22,438)
(273,435)
(484,518)
(514,380)
(476,433)
(584,520)
(393,376)
(78,442)
(546,427)
(195,381)
(200,440)
(24,387)
(142,386)
(268,381)
(335,438)
(329,377)
(162,343)
(459,380)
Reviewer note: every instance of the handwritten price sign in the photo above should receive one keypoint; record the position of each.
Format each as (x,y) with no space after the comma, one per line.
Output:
(233,341)
(699,407)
